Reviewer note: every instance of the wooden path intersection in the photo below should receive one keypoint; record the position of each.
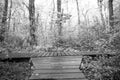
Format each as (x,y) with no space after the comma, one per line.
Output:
(57,68)
(54,65)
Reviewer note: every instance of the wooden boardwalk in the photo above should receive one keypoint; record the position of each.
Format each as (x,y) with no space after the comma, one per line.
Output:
(55,65)
(57,68)
(49,54)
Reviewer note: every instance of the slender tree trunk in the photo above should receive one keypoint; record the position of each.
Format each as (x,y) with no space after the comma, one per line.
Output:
(101,13)
(111,19)
(10,14)
(67,6)
(78,12)
(33,40)
(52,15)
(59,17)
(4,20)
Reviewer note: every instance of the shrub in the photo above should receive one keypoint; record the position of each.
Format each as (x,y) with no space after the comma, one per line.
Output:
(14,41)
(115,41)
(14,71)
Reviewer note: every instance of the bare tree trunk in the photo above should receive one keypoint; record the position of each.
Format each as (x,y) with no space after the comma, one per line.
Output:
(4,20)
(33,40)
(10,14)
(59,17)
(78,12)
(101,13)
(51,27)
(67,5)
(110,8)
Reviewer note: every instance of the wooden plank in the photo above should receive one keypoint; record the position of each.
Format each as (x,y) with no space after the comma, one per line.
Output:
(57,63)
(60,57)
(51,71)
(76,53)
(61,79)
(48,54)
(87,53)
(70,79)
(56,67)
(72,53)
(20,54)
(66,53)
(45,54)
(41,54)
(56,59)
(58,76)
(35,55)
(42,62)
(51,54)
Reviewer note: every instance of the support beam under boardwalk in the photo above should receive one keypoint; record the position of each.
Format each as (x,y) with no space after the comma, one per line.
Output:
(57,68)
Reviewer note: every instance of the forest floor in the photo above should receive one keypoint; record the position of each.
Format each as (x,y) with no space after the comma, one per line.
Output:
(101,69)
(14,70)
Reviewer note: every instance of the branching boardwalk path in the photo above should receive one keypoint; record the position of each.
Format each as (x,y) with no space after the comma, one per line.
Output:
(57,68)
(54,65)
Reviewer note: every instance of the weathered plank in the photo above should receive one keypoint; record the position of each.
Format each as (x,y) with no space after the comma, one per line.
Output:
(63,54)
(60,79)
(66,53)
(58,71)
(41,64)
(36,54)
(59,68)
(56,67)
(41,54)
(69,79)
(61,58)
(58,76)
(74,62)
(45,54)
(51,54)
(15,54)
(87,53)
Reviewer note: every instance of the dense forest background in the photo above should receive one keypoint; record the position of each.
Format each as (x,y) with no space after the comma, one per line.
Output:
(80,21)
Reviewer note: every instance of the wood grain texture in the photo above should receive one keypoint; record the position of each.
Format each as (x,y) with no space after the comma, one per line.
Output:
(58,76)
(57,68)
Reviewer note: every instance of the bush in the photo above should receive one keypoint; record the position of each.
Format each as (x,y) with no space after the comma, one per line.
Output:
(14,71)
(14,41)
(115,41)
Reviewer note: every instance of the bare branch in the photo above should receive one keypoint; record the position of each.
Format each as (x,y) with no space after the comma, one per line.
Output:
(25,5)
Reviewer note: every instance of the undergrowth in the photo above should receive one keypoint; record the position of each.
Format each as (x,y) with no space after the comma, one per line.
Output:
(14,71)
